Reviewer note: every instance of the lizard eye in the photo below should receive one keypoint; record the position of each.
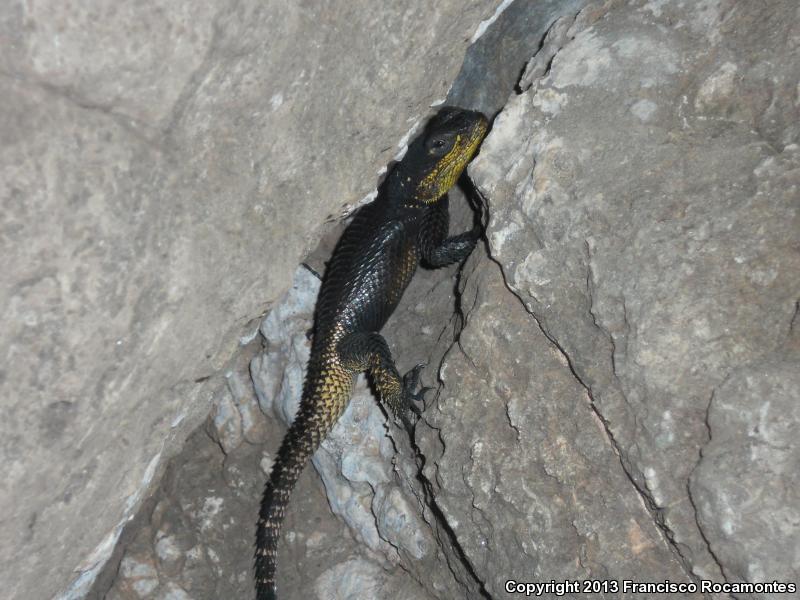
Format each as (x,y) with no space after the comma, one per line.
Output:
(438,146)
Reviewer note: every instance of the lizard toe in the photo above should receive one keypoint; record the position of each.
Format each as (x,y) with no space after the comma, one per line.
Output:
(411,378)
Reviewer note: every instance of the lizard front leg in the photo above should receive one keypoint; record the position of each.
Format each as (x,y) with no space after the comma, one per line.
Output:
(438,250)
(368,351)
(453,249)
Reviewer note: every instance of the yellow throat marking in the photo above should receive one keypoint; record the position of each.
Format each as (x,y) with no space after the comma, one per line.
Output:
(447,171)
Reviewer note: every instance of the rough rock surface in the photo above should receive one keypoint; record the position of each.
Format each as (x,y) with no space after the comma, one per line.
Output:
(206,506)
(645,200)
(616,368)
(494,62)
(163,167)
(196,539)
(611,407)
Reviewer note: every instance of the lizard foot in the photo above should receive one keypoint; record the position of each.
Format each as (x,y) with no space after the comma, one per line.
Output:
(411,398)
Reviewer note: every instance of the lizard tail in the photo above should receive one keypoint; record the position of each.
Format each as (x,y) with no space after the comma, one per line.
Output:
(300,442)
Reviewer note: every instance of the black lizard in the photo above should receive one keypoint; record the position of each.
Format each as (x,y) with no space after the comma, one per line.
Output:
(371,266)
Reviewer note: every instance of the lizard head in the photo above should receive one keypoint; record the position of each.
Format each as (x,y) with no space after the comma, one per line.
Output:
(436,158)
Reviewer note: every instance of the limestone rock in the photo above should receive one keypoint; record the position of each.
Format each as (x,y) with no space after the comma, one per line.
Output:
(645,197)
(616,367)
(493,63)
(163,169)
(745,486)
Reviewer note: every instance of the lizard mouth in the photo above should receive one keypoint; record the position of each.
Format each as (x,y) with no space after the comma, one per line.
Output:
(475,136)
(466,147)
(450,167)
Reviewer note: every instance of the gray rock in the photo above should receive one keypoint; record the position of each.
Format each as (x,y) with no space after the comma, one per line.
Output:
(746,486)
(226,422)
(235,415)
(616,368)
(170,552)
(158,163)
(252,419)
(518,467)
(493,64)
(358,579)
(644,209)
(197,540)
(139,576)
(173,592)
(278,373)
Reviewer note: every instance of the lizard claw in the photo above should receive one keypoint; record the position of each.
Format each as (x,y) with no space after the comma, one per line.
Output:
(420,395)
(414,400)
(411,378)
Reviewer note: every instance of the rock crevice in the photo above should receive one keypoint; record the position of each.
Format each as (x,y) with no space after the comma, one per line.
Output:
(616,390)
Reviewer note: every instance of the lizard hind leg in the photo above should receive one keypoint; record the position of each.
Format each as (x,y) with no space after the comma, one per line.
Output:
(410,381)
(368,351)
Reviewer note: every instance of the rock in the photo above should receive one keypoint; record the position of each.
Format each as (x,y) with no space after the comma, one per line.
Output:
(644,209)
(278,373)
(240,386)
(519,473)
(197,541)
(493,63)
(165,167)
(745,486)
(357,579)
(173,592)
(170,553)
(235,415)
(138,577)
(226,423)
(615,367)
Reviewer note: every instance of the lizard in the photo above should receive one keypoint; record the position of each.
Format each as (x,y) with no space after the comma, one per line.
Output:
(370,268)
